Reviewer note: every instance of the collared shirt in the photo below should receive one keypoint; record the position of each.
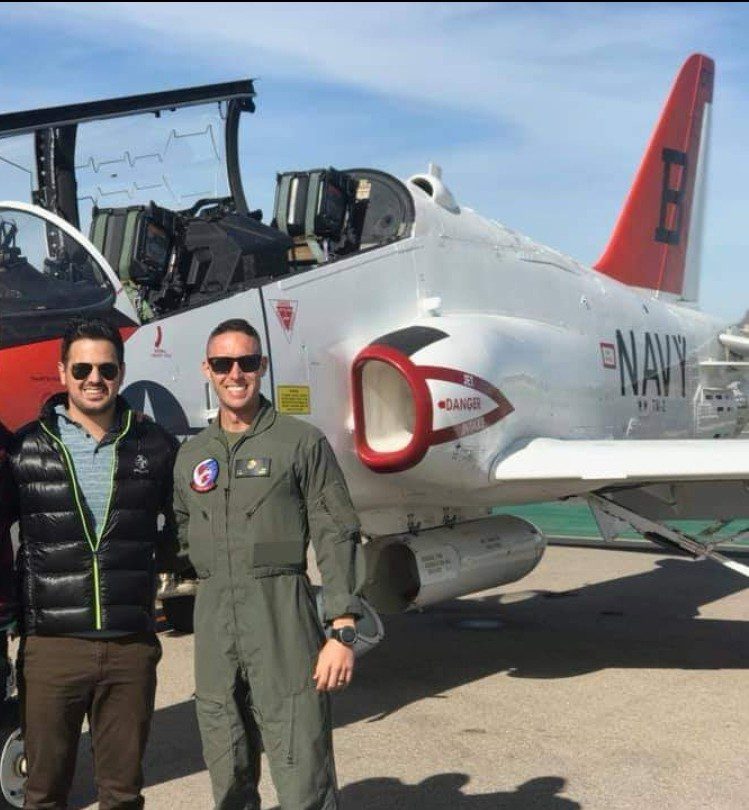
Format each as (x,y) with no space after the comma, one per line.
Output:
(93,465)
(93,462)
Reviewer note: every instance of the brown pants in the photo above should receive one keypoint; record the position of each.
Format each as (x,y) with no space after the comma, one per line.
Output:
(61,680)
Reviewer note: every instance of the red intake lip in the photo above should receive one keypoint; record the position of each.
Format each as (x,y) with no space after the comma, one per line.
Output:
(423,435)
(415,450)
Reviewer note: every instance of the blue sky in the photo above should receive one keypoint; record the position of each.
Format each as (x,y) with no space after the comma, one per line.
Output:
(538,114)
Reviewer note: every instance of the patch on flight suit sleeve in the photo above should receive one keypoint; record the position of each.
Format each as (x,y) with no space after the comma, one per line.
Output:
(252,468)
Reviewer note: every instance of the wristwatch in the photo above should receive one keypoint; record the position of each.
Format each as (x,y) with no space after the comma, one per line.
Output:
(346,635)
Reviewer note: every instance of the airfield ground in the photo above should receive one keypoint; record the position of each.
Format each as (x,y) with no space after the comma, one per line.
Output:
(606,679)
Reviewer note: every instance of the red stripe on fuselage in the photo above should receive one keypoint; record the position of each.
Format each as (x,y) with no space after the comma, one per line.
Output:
(28,377)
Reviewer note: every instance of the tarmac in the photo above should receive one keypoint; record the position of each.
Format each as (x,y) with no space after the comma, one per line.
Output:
(605,679)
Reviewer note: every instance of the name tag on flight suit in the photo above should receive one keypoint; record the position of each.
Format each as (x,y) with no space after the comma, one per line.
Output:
(252,468)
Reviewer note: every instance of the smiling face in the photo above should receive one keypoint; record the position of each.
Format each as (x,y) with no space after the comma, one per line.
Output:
(94,394)
(237,391)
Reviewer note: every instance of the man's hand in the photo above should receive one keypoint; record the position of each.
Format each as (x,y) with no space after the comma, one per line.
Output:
(335,663)
(335,667)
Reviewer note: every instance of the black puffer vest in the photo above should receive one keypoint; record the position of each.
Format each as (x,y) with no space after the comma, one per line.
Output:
(72,581)
(7,505)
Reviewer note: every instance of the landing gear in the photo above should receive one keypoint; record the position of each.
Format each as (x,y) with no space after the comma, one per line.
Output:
(609,514)
(178,612)
(12,757)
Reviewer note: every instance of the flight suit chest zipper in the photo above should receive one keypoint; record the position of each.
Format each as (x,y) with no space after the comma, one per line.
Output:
(227,496)
(92,542)
(251,511)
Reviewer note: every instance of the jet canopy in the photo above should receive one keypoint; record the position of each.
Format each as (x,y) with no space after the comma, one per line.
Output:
(173,148)
(154,182)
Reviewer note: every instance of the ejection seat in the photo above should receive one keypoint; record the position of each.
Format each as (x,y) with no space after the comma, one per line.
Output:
(118,233)
(311,207)
(331,214)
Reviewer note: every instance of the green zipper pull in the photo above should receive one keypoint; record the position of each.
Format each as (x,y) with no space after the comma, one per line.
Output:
(92,542)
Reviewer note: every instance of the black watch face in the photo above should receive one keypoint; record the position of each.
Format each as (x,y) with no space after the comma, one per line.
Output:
(347,635)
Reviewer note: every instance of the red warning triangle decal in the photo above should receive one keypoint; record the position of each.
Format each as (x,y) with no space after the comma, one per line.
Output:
(286,314)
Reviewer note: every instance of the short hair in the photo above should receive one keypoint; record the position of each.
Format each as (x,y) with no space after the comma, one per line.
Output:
(235,325)
(91,329)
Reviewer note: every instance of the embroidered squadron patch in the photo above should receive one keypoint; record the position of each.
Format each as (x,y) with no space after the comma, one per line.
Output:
(204,475)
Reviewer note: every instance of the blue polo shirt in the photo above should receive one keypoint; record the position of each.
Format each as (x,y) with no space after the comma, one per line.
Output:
(93,466)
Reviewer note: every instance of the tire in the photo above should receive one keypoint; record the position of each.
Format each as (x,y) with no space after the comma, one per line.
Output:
(12,759)
(178,613)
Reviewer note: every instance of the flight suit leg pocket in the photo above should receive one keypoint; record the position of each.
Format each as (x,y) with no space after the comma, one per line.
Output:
(225,749)
(216,731)
(289,741)
(304,772)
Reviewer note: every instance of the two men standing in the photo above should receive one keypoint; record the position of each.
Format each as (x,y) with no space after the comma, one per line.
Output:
(90,481)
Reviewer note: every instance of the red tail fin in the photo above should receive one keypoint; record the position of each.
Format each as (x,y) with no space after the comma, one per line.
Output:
(656,241)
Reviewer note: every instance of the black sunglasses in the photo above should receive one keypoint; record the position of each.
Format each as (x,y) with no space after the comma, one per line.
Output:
(223,365)
(108,371)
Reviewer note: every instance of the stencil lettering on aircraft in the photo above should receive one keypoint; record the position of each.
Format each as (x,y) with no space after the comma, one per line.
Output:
(672,196)
(652,364)
(460,404)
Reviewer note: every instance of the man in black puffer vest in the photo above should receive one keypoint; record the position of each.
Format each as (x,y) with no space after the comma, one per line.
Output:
(91,480)
(7,601)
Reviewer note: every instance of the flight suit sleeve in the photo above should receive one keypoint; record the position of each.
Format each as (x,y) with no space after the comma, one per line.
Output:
(334,531)
(169,556)
(181,512)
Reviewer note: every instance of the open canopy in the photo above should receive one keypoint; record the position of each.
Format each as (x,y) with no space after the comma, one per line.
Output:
(72,158)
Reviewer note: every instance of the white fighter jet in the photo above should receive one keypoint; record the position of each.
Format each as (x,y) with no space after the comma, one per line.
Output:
(455,364)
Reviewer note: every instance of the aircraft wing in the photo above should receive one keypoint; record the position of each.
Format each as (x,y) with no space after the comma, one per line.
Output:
(641,483)
(661,479)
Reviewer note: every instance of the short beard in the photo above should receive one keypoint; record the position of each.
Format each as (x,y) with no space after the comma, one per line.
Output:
(95,410)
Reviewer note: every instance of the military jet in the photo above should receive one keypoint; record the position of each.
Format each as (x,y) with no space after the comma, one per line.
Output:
(455,364)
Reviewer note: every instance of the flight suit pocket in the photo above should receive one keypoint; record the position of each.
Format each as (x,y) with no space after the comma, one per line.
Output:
(216,730)
(289,741)
(201,548)
(264,492)
(337,505)
(286,554)
(314,613)
(276,530)
(305,745)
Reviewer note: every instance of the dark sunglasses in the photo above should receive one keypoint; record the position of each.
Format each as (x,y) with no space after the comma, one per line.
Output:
(223,365)
(108,371)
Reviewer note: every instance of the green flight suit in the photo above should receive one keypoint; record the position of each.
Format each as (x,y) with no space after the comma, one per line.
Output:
(246,514)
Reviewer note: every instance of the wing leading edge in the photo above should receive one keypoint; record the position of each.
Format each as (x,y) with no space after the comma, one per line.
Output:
(662,479)
(641,483)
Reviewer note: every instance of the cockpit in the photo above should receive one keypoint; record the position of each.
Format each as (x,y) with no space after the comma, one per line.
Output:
(154,182)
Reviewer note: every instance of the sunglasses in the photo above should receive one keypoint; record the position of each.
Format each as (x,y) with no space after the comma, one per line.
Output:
(109,371)
(223,365)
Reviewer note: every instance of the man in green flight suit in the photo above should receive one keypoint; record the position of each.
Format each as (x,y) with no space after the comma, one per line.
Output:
(251,490)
